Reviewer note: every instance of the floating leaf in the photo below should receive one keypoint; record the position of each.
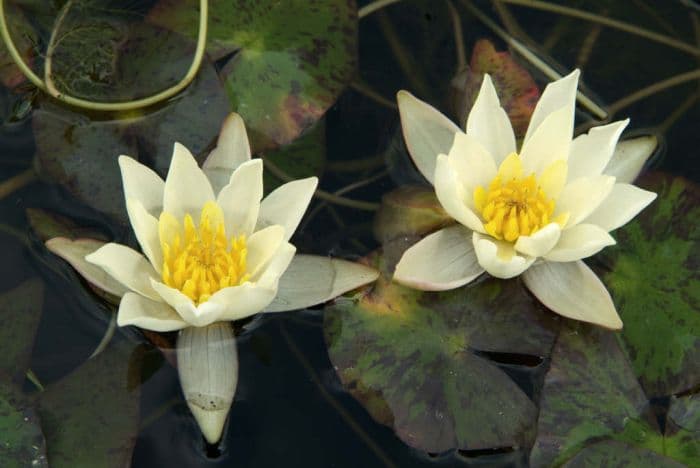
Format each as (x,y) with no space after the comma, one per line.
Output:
(25,37)
(590,395)
(421,362)
(22,441)
(655,281)
(613,453)
(409,211)
(47,225)
(91,417)
(292,59)
(517,90)
(20,309)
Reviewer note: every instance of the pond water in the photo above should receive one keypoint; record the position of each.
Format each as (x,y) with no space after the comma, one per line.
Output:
(330,110)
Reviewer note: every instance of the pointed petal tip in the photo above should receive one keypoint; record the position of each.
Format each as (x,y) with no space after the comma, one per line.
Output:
(210,422)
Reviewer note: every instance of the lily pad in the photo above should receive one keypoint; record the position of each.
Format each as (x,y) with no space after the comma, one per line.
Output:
(423,362)
(25,37)
(654,278)
(618,454)
(517,90)
(47,225)
(591,395)
(409,211)
(287,62)
(20,309)
(91,417)
(22,440)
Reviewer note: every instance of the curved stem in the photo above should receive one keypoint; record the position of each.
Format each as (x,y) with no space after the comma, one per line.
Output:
(458,36)
(357,204)
(16,182)
(107,337)
(612,23)
(653,89)
(374,6)
(110,106)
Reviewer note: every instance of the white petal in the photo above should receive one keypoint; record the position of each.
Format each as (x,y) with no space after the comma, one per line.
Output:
(127,266)
(549,143)
(242,301)
(277,266)
(145,228)
(540,242)
(287,204)
(581,241)
(312,280)
(232,150)
(142,183)
(443,260)
(590,153)
(623,204)
(207,364)
(240,199)
(262,246)
(426,131)
(489,124)
(453,196)
(137,310)
(187,189)
(629,157)
(473,164)
(574,291)
(557,94)
(499,258)
(182,304)
(582,196)
(74,252)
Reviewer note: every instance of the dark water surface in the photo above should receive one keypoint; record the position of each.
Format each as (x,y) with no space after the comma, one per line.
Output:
(290,408)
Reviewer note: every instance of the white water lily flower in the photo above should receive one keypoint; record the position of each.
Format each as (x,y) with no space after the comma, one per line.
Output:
(213,251)
(537,212)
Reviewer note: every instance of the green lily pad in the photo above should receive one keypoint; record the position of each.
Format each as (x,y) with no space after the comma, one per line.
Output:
(20,309)
(409,211)
(22,440)
(618,454)
(422,362)
(654,278)
(591,395)
(516,88)
(91,417)
(292,59)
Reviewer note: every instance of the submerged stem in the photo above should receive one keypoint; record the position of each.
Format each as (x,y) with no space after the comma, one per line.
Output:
(653,89)
(108,106)
(107,337)
(16,182)
(374,6)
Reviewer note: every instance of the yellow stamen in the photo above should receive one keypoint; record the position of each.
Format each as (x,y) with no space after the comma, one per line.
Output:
(201,260)
(514,205)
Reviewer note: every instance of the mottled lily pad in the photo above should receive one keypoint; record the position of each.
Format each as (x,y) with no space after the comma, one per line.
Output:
(422,362)
(22,440)
(286,62)
(91,417)
(615,454)
(516,88)
(20,310)
(591,395)
(409,211)
(25,37)
(654,278)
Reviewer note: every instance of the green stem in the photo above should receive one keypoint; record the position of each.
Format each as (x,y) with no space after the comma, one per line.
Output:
(109,106)
(374,6)
(372,94)
(107,337)
(31,376)
(357,204)
(458,35)
(16,182)
(612,23)
(653,89)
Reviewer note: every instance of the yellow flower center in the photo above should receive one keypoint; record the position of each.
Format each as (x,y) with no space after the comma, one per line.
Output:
(200,260)
(515,205)
(514,208)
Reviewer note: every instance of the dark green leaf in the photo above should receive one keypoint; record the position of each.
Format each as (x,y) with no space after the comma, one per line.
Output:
(25,37)
(20,309)
(612,454)
(409,211)
(90,417)
(654,279)
(420,361)
(292,59)
(22,441)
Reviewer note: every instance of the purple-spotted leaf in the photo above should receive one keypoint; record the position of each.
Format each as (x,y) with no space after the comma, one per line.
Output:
(286,62)
(422,362)
(516,89)
(654,279)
